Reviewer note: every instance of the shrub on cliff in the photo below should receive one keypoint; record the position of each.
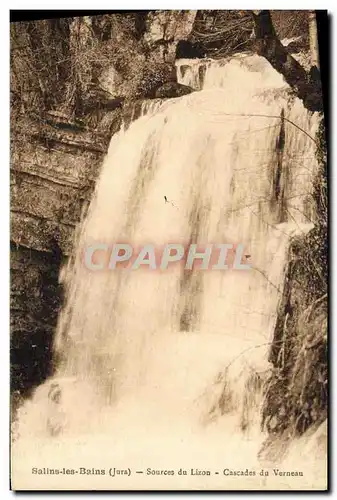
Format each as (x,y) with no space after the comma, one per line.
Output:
(59,64)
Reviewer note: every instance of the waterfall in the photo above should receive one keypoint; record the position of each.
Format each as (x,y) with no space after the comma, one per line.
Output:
(146,355)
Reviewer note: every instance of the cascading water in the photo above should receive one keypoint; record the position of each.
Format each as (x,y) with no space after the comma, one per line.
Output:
(157,369)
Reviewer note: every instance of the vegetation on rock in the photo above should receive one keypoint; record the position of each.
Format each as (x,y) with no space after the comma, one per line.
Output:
(296,394)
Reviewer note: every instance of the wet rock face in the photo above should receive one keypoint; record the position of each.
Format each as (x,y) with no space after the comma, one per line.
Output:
(36,298)
(52,177)
(164,29)
(297,391)
(173,89)
(57,155)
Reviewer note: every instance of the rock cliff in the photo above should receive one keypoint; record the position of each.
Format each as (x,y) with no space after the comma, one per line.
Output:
(63,116)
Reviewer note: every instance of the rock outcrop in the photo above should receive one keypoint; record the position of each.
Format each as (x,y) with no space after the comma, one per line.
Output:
(164,30)
(173,89)
(296,395)
(63,116)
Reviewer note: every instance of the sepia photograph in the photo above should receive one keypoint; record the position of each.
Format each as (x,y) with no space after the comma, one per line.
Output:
(169,250)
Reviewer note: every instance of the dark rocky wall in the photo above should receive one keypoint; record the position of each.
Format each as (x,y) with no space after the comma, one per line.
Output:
(61,125)
(35,301)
